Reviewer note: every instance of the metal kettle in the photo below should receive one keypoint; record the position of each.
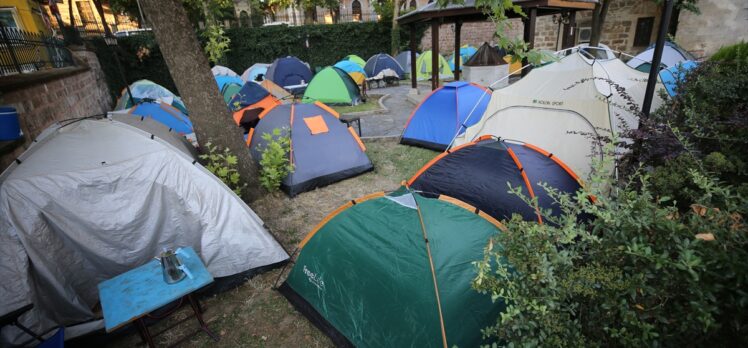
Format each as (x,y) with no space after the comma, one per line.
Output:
(172,268)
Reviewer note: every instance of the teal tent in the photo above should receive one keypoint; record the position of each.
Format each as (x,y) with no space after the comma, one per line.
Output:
(395,270)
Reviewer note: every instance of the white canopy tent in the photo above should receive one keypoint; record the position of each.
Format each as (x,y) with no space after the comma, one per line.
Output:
(93,198)
(561,106)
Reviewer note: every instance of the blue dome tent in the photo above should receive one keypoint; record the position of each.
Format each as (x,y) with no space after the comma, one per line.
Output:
(466,52)
(382,61)
(436,121)
(288,71)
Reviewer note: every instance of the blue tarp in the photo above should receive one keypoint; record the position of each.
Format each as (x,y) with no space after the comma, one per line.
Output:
(165,114)
(381,61)
(436,121)
(672,75)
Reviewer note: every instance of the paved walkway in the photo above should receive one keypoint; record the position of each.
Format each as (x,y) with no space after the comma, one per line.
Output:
(392,122)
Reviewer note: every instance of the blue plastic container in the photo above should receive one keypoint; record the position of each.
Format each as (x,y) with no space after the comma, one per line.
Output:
(10,129)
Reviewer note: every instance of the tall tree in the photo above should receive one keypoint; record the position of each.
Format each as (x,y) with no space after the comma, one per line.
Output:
(191,73)
(395,33)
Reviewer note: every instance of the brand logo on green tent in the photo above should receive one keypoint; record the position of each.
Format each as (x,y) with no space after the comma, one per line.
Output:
(314,279)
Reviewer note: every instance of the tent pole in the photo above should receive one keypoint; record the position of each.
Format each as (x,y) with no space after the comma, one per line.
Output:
(413,48)
(434,54)
(457,56)
(657,57)
(529,35)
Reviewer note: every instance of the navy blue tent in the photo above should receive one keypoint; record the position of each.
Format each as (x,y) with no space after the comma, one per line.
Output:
(477,173)
(381,61)
(288,71)
(250,93)
(444,113)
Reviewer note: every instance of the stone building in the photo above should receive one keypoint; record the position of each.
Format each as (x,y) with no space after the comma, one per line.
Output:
(630,26)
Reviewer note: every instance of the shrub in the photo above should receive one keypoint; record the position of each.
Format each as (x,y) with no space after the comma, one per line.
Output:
(224,165)
(705,124)
(275,162)
(640,273)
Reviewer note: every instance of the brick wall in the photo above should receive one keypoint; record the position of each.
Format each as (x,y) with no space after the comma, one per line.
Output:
(39,105)
(618,31)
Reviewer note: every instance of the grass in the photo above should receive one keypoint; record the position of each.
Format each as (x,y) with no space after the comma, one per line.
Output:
(372,103)
(255,315)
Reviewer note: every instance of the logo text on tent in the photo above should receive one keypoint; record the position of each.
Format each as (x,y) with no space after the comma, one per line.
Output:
(547,102)
(314,279)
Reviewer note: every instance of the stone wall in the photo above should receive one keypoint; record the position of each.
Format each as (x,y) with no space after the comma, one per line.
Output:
(721,23)
(618,31)
(80,93)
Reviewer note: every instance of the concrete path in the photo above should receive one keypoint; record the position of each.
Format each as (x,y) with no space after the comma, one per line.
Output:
(393,121)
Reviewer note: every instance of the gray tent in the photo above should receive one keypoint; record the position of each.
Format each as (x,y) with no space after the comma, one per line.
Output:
(403,58)
(91,199)
(323,150)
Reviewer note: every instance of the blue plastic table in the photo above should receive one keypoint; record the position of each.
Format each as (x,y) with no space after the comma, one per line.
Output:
(130,296)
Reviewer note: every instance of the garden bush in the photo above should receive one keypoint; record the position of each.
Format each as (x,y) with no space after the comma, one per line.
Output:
(705,125)
(224,165)
(275,163)
(639,273)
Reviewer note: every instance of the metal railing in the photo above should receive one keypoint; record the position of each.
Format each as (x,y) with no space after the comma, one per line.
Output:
(24,52)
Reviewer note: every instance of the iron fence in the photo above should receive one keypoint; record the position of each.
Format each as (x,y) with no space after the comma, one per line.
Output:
(24,52)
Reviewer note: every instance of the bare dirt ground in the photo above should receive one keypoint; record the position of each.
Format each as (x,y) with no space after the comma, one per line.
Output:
(254,314)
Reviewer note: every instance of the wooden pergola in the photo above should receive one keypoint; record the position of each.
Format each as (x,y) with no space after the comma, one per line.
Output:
(467,12)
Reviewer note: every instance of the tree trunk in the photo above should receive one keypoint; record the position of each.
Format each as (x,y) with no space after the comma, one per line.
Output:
(191,73)
(395,34)
(598,21)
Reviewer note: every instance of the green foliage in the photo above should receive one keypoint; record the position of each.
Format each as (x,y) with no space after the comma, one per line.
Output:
(216,43)
(638,273)
(141,58)
(275,162)
(327,43)
(737,53)
(708,124)
(224,165)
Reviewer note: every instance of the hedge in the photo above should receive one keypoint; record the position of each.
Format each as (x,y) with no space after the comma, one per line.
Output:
(142,59)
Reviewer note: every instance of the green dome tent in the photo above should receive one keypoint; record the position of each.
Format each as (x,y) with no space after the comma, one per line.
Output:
(356,59)
(333,86)
(395,271)
(423,67)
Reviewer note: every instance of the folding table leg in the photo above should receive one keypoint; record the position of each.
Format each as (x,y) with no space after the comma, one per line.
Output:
(199,314)
(144,333)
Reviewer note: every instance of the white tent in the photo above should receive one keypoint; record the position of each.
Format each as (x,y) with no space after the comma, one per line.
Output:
(220,70)
(91,199)
(672,55)
(253,71)
(560,106)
